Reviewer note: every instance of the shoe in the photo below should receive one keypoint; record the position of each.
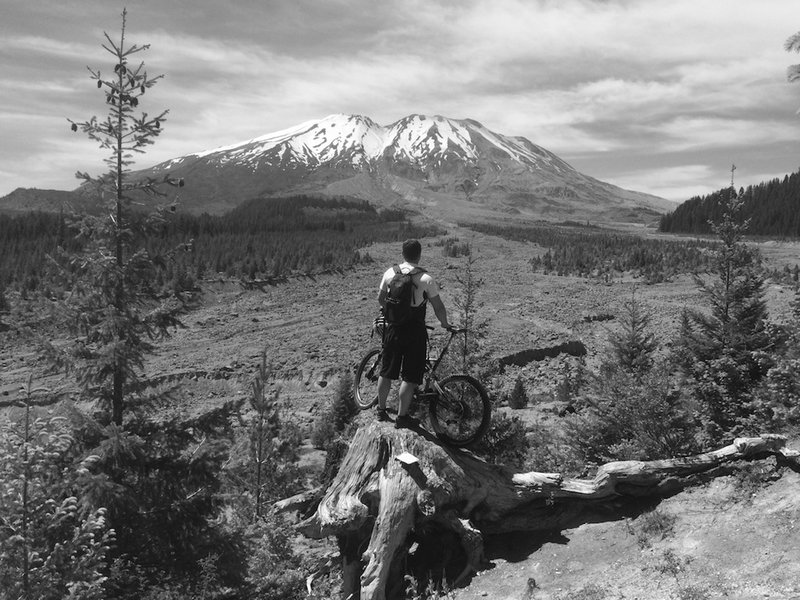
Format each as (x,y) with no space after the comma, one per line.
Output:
(382,415)
(406,422)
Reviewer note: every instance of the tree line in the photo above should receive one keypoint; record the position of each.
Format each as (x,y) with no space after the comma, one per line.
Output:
(771,208)
(589,251)
(261,238)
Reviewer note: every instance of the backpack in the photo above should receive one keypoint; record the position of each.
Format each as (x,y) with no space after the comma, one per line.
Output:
(398,309)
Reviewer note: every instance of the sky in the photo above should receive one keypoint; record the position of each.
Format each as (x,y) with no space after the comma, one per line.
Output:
(651,95)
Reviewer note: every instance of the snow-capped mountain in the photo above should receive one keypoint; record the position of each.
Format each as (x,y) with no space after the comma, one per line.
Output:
(447,167)
(358,142)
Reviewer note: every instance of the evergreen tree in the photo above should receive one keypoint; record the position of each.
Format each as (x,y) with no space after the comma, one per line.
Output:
(633,346)
(271,471)
(518,397)
(467,301)
(630,409)
(112,306)
(158,476)
(724,351)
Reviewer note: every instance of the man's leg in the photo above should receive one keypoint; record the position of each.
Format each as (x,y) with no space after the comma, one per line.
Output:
(406,395)
(384,385)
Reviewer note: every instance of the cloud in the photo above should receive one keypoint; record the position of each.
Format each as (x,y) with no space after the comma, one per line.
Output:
(706,133)
(603,83)
(677,183)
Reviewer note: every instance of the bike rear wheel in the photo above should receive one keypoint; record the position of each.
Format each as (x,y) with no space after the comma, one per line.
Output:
(460,416)
(365,384)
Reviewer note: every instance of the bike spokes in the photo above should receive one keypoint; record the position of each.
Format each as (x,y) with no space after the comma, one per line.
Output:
(460,414)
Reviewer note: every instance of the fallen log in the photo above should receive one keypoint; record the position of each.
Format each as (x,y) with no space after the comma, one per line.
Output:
(393,482)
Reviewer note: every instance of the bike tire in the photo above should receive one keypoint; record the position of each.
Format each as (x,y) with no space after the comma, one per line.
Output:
(461,418)
(365,382)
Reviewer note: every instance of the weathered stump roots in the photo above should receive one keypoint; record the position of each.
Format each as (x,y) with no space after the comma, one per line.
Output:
(378,498)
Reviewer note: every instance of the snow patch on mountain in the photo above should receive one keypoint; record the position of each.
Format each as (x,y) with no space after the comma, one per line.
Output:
(359,141)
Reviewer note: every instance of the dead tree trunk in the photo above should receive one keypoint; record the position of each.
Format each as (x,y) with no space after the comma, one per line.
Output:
(380,495)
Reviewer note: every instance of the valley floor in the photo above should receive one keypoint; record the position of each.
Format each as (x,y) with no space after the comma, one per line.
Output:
(728,540)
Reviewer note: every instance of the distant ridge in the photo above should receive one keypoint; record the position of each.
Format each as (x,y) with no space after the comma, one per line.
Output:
(31,199)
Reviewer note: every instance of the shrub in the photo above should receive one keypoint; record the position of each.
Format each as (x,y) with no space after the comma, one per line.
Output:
(518,397)
(274,569)
(334,420)
(505,441)
(632,418)
(53,540)
(653,524)
(550,452)
(454,248)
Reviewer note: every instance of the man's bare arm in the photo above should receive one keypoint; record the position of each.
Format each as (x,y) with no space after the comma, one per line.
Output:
(440,311)
(382,298)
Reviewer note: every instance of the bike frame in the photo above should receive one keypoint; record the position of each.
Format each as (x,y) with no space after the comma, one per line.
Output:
(431,366)
(430,387)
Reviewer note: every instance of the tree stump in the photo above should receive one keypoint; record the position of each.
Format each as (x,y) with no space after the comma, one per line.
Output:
(375,501)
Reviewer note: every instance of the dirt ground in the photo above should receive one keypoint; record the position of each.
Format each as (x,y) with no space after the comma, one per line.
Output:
(728,538)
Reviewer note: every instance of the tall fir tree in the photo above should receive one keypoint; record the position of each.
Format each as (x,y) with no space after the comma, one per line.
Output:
(112,305)
(158,476)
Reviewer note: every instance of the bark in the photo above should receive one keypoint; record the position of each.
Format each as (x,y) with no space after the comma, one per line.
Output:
(376,501)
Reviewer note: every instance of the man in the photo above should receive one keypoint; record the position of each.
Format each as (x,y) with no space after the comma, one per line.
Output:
(405,344)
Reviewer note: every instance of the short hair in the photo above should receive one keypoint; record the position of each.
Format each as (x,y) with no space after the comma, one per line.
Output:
(412,250)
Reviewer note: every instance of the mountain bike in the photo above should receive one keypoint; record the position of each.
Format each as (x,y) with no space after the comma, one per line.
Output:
(459,409)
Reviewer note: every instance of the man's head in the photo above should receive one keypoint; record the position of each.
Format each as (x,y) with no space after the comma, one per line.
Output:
(412,251)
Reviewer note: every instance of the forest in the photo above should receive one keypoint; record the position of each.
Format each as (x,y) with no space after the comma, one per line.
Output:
(589,251)
(771,208)
(260,238)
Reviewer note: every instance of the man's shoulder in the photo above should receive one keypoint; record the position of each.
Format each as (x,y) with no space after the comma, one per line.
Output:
(409,268)
(388,273)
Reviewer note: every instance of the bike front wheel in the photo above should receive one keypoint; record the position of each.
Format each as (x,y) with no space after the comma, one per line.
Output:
(460,414)
(365,383)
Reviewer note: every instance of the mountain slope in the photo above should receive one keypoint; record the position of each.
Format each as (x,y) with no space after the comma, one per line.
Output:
(444,165)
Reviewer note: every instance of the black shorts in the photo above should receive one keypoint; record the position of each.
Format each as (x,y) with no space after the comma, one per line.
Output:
(404,349)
